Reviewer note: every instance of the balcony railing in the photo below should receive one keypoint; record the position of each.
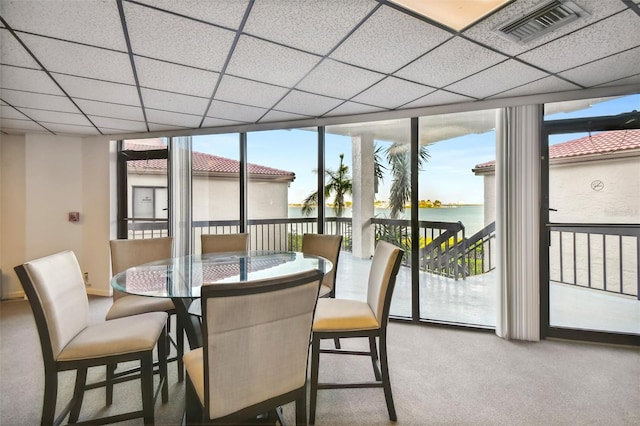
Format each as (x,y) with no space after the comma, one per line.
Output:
(598,256)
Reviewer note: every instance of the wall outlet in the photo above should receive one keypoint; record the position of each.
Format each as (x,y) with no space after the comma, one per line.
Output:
(86,279)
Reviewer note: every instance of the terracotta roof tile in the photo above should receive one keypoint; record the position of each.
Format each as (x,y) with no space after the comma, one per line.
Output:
(600,143)
(205,163)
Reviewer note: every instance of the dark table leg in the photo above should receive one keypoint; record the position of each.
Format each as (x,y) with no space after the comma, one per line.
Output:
(190,323)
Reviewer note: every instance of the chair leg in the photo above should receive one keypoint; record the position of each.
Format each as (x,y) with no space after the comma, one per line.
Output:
(374,357)
(193,409)
(301,408)
(111,369)
(386,382)
(146,384)
(315,361)
(78,394)
(180,349)
(163,348)
(50,396)
(336,342)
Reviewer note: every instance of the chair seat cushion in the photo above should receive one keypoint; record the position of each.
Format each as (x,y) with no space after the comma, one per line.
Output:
(119,336)
(194,364)
(343,315)
(133,305)
(324,291)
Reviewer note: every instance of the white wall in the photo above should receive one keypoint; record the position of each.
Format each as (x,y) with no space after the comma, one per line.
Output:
(43,178)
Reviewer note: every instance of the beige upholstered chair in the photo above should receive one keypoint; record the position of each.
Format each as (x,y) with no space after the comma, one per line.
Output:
(327,246)
(124,255)
(255,350)
(218,243)
(55,288)
(345,318)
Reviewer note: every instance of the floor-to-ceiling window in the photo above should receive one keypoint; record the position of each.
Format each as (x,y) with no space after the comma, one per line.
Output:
(215,185)
(593,173)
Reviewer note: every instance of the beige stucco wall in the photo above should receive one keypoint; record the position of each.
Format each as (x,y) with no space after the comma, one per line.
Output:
(45,177)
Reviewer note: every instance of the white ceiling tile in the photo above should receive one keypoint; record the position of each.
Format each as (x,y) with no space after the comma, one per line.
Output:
(388,40)
(439,97)
(249,92)
(117,124)
(27,80)
(314,26)
(20,126)
(353,108)
(158,127)
(172,118)
(174,102)
(12,52)
(392,93)
(111,110)
(161,75)
(38,101)
(217,122)
(449,62)
(273,115)
(499,78)
(229,111)
(544,85)
(339,80)
(91,22)
(625,81)
(56,117)
(86,88)
(224,13)
(71,129)
(484,30)
(76,59)
(612,68)
(588,44)
(263,61)
(171,38)
(307,103)
(8,112)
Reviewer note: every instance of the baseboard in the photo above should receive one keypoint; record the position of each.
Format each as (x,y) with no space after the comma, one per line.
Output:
(97,292)
(14,295)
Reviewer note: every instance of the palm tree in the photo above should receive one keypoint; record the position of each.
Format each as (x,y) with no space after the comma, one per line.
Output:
(399,159)
(339,183)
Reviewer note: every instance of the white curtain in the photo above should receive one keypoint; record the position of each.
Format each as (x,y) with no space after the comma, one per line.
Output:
(181,193)
(517,222)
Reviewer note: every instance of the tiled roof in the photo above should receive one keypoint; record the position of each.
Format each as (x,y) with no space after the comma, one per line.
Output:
(206,163)
(600,143)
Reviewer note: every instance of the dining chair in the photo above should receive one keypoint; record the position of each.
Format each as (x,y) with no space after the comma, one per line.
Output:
(128,253)
(327,246)
(345,318)
(218,243)
(255,350)
(55,288)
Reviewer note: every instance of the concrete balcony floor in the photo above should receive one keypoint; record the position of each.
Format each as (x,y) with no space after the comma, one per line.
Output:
(473,301)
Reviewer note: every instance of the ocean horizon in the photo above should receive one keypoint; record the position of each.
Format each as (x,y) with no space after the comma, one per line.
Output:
(471,215)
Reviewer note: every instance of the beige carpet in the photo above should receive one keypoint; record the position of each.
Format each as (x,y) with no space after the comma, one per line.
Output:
(439,377)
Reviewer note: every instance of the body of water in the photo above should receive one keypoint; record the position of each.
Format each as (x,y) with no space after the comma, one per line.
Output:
(471,216)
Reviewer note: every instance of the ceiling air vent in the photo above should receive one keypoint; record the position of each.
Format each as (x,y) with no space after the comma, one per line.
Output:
(541,20)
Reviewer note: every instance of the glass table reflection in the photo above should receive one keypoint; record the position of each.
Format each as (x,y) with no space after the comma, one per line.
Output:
(182,278)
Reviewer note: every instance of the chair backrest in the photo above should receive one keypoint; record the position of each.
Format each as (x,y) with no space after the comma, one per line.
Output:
(55,288)
(128,253)
(327,246)
(256,340)
(382,279)
(218,243)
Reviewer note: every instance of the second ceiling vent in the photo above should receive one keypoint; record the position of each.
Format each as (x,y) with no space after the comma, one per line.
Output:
(541,20)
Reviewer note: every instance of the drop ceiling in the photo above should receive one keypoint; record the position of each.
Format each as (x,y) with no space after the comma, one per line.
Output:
(120,67)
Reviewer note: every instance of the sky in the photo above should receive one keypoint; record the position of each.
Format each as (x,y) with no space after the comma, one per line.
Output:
(447,175)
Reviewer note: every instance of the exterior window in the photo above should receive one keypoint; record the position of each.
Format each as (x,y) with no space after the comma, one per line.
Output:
(149,202)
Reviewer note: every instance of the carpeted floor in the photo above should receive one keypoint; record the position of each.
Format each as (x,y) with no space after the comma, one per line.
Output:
(439,377)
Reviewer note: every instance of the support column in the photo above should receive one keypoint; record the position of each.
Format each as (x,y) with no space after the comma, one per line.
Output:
(363,196)
(518,132)
(180,194)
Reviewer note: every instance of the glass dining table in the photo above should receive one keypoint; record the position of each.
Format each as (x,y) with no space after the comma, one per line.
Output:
(181,278)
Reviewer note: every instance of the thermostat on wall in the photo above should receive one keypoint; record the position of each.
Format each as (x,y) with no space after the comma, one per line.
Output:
(74,216)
